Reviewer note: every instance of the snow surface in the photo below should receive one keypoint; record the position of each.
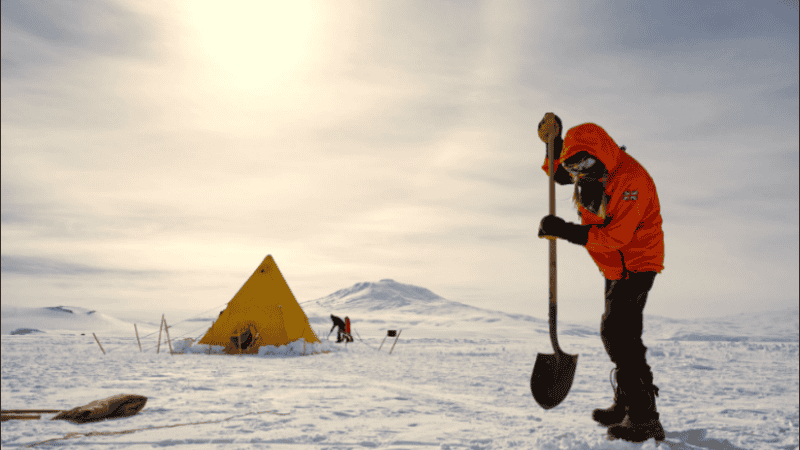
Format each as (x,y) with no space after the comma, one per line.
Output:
(458,378)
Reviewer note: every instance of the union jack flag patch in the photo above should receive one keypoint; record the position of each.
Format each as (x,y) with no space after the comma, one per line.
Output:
(630,195)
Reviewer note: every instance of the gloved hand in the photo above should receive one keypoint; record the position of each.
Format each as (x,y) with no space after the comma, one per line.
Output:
(554,226)
(551,226)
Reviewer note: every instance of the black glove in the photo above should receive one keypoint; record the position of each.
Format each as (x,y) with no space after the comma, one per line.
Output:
(556,227)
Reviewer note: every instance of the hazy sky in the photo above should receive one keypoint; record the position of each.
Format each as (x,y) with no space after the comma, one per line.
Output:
(154,152)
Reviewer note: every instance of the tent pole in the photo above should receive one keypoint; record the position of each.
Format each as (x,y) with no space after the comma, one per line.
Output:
(303,337)
(158,347)
(384,340)
(98,343)
(166,330)
(31,411)
(212,326)
(137,337)
(395,340)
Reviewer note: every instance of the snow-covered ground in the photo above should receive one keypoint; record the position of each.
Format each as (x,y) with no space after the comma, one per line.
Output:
(458,378)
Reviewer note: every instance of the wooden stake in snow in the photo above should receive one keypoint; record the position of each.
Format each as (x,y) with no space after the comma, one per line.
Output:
(395,341)
(25,414)
(389,333)
(304,340)
(4,416)
(137,337)
(98,343)
(158,347)
(31,411)
(209,345)
(166,330)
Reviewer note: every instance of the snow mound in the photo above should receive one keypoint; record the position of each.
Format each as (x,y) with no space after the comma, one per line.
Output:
(296,348)
(60,320)
(25,331)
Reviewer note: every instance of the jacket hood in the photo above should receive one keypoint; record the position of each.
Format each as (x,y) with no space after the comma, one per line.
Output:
(593,139)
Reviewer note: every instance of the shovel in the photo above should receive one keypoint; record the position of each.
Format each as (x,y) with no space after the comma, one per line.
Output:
(552,372)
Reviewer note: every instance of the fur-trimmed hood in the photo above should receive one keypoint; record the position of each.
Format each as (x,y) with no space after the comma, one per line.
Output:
(591,138)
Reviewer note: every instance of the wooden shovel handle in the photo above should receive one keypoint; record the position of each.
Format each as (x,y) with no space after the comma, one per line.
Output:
(552,243)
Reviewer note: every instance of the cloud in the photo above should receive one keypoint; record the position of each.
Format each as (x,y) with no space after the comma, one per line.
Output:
(677,23)
(48,267)
(83,29)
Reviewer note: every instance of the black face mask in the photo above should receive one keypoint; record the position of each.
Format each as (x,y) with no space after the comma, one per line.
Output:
(590,193)
(589,176)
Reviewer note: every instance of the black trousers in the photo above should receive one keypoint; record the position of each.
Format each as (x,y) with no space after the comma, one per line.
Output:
(621,328)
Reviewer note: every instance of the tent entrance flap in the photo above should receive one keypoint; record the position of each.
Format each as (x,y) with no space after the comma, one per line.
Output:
(245,338)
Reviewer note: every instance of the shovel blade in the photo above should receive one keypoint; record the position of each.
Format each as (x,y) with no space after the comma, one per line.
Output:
(552,378)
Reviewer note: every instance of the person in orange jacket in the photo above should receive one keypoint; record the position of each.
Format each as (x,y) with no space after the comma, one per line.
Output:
(621,229)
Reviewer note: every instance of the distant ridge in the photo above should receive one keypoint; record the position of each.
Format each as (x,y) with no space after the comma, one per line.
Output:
(387,298)
(60,320)
(765,326)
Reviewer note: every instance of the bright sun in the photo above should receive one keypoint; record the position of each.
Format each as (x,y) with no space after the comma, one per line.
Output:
(251,42)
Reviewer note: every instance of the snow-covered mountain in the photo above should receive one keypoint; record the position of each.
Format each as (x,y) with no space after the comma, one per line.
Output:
(387,304)
(388,297)
(386,294)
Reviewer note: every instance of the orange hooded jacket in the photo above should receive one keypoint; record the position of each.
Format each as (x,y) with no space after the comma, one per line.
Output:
(630,238)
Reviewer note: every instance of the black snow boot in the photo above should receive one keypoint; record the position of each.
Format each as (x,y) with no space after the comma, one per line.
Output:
(618,411)
(642,422)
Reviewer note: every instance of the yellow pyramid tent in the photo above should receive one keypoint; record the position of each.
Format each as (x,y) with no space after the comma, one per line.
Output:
(263,312)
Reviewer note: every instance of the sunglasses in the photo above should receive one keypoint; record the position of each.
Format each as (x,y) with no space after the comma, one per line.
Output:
(581,167)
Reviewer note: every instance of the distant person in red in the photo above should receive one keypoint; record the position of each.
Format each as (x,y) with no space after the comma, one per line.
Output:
(621,229)
(347,334)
